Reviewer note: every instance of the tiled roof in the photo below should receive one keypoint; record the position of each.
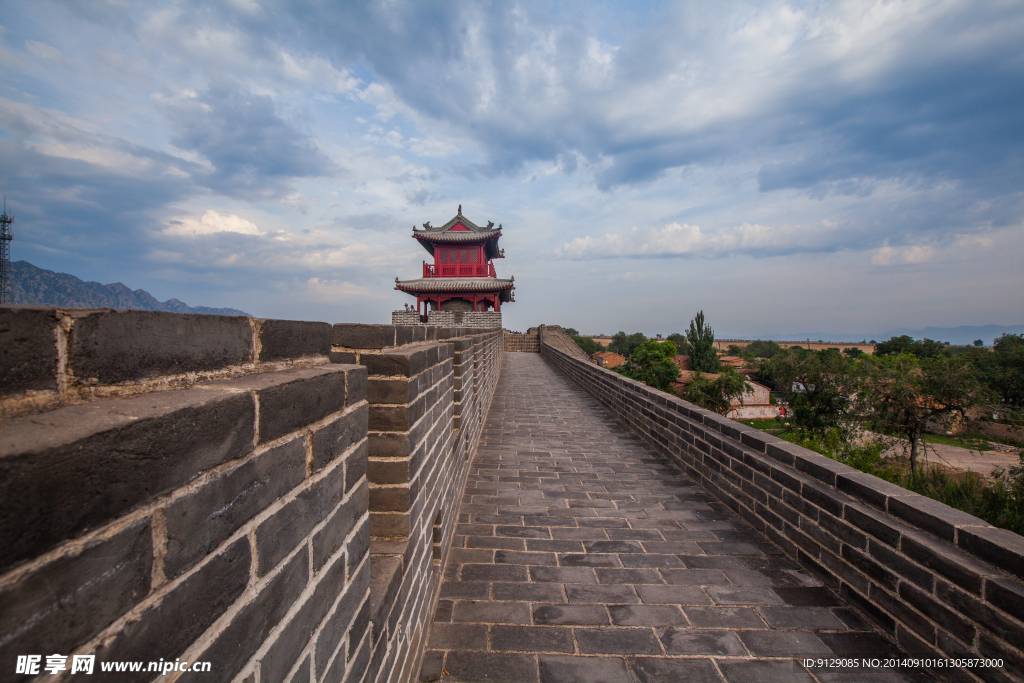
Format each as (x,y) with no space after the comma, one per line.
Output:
(460,236)
(454,284)
(473,233)
(459,218)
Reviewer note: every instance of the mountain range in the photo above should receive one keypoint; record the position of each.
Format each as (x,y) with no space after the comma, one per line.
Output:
(34,286)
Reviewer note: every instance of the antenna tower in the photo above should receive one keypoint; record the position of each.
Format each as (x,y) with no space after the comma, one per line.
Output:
(6,276)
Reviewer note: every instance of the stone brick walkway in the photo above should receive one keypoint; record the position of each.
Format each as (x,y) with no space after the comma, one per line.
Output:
(581,555)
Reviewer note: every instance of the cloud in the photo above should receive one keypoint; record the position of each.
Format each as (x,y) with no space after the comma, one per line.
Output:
(252,150)
(211,222)
(683,240)
(421,196)
(327,290)
(889,256)
(46,52)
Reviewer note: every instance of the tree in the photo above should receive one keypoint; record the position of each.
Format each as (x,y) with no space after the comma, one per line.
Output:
(589,346)
(626,344)
(1002,369)
(817,385)
(979,342)
(853,352)
(700,341)
(762,349)
(901,394)
(651,362)
(717,393)
(680,341)
(926,348)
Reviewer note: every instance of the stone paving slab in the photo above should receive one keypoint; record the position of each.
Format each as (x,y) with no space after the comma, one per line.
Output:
(583,556)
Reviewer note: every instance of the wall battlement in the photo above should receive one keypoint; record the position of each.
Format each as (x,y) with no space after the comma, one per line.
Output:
(265,495)
(939,582)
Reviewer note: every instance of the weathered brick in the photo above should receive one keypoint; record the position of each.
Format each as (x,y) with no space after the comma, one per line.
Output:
(902,566)
(931,515)
(303,397)
(358,336)
(392,498)
(166,629)
(876,524)
(283,339)
(397,418)
(279,533)
(296,635)
(330,537)
(69,600)
(75,468)
(1007,594)
(333,439)
(202,520)
(356,384)
(1001,547)
(946,560)
(120,346)
(28,349)
(950,620)
(355,595)
(393,390)
(355,466)
(407,362)
(980,613)
(237,643)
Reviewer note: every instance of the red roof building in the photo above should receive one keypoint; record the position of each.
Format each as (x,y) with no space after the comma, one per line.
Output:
(461,276)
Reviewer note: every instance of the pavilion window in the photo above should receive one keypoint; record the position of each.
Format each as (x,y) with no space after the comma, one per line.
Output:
(464,256)
(472,255)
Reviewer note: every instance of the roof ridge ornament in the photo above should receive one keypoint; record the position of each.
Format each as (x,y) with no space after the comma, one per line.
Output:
(460,209)
(425,225)
(490,224)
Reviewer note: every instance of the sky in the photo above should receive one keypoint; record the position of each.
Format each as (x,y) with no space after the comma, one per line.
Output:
(782,166)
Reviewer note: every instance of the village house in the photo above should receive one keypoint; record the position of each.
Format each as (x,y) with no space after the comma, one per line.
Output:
(608,359)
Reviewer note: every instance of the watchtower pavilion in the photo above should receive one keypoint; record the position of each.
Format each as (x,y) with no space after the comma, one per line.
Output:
(462,276)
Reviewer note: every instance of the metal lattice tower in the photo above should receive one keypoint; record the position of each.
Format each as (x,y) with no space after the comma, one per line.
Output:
(6,276)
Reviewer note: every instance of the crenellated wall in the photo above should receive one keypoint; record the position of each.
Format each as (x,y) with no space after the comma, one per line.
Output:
(938,581)
(428,389)
(204,488)
(522,343)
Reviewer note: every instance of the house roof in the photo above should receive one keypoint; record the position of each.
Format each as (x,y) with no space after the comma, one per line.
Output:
(454,284)
(460,230)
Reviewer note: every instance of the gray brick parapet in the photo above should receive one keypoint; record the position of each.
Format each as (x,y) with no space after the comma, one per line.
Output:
(939,582)
(522,343)
(428,389)
(51,357)
(182,523)
(274,497)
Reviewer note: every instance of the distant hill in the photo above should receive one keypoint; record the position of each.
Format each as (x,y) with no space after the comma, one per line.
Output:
(34,286)
(965,334)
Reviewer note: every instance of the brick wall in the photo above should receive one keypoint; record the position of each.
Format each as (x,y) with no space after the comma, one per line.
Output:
(428,389)
(938,581)
(555,337)
(204,488)
(406,318)
(522,343)
(474,319)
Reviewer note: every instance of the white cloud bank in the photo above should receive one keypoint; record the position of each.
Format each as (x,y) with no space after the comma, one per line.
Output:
(682,239)
(211,222)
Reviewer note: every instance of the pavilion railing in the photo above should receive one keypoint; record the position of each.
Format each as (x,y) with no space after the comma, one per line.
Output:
(459,270)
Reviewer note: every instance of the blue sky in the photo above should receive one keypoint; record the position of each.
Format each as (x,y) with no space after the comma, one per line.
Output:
(784,166)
